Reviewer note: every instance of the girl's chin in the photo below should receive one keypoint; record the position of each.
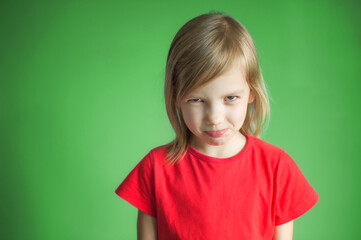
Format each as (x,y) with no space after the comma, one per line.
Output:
(210,140)
(216,141)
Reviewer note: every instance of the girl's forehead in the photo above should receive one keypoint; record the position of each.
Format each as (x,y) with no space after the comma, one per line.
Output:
(232,80)
(218,87)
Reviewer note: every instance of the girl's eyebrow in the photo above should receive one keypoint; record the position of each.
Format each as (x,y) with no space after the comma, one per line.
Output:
(235,92)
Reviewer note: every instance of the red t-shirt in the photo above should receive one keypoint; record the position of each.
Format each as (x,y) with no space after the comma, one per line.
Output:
(203,197)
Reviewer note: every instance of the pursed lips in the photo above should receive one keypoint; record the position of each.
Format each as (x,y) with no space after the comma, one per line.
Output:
(218,133)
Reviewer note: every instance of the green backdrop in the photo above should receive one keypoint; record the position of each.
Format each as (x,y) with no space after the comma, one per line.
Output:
(82,103)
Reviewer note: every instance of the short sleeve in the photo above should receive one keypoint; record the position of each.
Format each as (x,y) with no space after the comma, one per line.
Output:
(138,187)
(295,195)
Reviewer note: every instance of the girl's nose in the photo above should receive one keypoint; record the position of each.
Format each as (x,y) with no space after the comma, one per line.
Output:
(214,115)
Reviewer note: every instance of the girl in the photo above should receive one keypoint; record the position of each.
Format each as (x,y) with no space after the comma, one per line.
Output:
(216,179)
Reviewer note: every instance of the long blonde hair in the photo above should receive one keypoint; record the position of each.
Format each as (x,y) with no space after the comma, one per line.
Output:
(203,49)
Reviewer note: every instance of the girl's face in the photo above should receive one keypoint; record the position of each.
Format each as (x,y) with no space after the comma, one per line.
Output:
(215,112)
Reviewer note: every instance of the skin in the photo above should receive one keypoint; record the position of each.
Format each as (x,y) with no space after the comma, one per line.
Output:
(147,227)
(220,104)
(284,231)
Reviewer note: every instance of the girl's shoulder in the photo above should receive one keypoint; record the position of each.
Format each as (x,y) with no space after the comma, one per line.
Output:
(159,150)
(265,146)
(156,153)
(269,151)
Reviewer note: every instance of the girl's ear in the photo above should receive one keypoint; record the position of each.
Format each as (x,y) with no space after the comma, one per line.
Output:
(251,96)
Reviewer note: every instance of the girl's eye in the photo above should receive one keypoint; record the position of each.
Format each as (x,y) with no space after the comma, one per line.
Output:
(194,100)
(229,99)
(232,98)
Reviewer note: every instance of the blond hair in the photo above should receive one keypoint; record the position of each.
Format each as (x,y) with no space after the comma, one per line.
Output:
(203,49)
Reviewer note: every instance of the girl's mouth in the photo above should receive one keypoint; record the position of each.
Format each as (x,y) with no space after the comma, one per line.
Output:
(217,134)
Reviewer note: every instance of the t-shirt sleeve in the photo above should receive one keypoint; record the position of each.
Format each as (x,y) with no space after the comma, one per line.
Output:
(138,187)
(295,195)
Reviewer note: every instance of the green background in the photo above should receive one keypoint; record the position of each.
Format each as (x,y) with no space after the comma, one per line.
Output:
(82,103)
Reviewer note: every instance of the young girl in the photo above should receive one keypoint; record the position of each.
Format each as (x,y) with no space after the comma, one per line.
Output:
(216,179)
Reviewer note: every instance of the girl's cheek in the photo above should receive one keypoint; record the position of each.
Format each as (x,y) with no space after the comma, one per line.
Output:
(194,112)
(237,111)
(190,115)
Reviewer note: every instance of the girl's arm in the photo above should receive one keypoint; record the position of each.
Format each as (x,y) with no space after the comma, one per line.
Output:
(147,227)
(284,231)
